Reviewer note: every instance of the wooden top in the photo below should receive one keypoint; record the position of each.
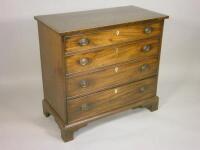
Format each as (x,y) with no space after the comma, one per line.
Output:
(83,20)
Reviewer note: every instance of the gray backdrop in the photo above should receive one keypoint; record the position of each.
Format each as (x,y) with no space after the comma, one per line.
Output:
(176,125)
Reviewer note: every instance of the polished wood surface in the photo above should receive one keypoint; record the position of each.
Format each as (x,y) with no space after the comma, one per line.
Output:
(95,67)
(110,99)
(53,74)
(112,55)
(113,36)
(112,76)
(68,130)
(94,19)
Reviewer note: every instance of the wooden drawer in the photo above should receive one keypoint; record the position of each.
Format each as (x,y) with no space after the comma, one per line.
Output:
(112,76)
(117,34)
(91,105)
(112,55)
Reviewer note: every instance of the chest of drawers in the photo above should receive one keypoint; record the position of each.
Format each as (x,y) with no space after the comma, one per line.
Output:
(99,62)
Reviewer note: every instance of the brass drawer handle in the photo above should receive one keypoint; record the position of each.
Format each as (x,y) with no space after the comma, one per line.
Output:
(86,106)
(142,89)
(144,67)
(148,30)
(146,48)
(83,41)
(84,83)
(84,61)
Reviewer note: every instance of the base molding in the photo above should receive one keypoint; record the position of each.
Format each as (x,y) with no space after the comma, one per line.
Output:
(67,130)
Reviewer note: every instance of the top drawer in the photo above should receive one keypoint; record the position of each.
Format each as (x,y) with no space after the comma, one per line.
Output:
(114,35)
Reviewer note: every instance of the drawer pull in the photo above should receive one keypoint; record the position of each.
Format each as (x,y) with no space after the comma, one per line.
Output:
(84,83)
(142,89)
(144,67)
(86,106)
(84,61)
(146,48)
(84,42)
(148,30)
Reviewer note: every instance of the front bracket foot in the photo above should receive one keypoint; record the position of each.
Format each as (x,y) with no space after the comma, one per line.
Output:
(153,106)
(67,135)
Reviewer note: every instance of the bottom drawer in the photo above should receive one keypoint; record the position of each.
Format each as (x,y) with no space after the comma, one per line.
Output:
(91,105)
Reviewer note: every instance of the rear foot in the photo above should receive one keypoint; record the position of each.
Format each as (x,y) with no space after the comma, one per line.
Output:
(45,111)
(152,107)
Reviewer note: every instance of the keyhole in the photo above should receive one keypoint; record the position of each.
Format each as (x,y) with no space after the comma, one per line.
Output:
(116,91)
(117,32)
(116,69)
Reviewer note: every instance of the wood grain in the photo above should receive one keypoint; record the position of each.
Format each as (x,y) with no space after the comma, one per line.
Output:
(67,130)
(109,99)
(113,36)
(116,75)
(53,72)
(112,55)
(95,19)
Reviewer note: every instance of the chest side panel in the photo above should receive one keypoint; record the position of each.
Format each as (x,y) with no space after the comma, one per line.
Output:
(53,72)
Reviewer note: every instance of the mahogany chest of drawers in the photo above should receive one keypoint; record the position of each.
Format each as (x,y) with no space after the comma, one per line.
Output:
(99,62)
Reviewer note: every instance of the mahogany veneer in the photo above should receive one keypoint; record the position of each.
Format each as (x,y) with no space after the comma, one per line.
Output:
(99,62)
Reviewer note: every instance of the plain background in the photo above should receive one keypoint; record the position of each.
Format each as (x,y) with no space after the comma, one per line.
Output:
(176,125)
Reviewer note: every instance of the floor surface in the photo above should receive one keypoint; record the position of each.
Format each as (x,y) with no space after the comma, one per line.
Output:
(176,125)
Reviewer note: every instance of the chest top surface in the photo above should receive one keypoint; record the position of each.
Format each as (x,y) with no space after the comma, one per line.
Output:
(92,19)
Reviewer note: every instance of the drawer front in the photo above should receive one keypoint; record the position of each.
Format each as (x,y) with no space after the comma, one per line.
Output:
(112,76)
(91,105)
(112,55)
(110,36)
